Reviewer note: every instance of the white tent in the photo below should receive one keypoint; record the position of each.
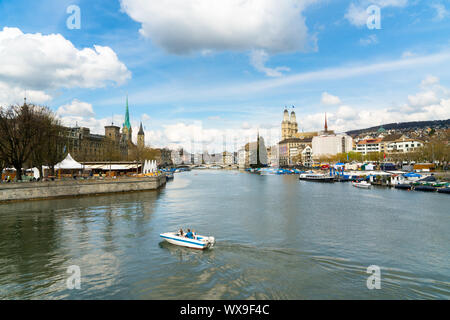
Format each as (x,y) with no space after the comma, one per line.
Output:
(150,166)
(69,164)
(36,173)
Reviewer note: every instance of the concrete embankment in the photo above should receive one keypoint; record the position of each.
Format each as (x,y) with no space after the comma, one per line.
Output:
(75,188)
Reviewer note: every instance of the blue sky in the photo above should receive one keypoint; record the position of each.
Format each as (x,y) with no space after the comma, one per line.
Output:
(202,69)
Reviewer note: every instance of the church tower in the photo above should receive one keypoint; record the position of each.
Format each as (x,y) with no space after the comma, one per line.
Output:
(294,125)
(126,130)
(141,138)
(285,125)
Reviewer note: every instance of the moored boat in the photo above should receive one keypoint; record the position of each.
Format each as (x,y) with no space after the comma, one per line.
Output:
(199,242)
(362,184)
(444,190)
(404,186)
(316,177)
(424,188)
(169,176)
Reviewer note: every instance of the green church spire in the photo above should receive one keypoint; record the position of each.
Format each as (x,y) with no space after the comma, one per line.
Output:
(127,117)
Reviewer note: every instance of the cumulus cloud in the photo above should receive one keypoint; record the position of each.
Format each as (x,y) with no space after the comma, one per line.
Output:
(329,99)
(194,137)
(429,80)
(10,95)
(357,11)
(258,59)
(181,26)
(346,113)
(372,39)
(76,108)
(441,11)
(432,103)
(40,63)
(422,99)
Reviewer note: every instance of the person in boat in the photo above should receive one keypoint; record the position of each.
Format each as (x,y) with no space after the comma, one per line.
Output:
(189,234)
(181,232)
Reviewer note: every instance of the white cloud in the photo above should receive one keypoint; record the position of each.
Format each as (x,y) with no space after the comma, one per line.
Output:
(329,99)
(181,26)
(429,80)
(357,11)
(258,59)
(194,137)
(346,113)
(356,15)
(76,108)
(145,117)
(40,63)
(432,104)
(408,54)
(441,11)
(10,95)
(183,92)
(423,98)
(372,39)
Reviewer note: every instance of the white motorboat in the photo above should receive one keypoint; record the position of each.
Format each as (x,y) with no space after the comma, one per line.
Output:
(317,177)
(362,184)
(199,242)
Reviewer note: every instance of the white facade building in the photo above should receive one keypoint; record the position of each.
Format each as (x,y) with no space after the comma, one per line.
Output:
(273,156)
(332,144)
(403,145)
(228,158)
(307,156)
(370,145)
(253,152)
(242,155)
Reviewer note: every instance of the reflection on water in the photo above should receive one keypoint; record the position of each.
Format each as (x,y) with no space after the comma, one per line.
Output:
(277,238)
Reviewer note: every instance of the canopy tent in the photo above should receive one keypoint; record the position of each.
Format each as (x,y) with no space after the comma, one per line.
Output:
(69,164)
(367,167)
(150,166)
(377,173)
(387,166)
(428,179)
(412,175)
(112,167)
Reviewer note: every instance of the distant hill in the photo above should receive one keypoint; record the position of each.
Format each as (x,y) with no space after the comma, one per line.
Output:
(404,126)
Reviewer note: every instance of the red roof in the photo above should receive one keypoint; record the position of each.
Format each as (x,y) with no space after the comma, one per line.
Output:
(370,141)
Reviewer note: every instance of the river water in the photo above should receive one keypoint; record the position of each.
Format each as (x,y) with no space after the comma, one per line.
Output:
(277,238)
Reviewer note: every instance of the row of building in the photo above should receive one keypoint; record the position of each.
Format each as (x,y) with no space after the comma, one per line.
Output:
(304,148)
(295,147)
(115,144)
(307,148)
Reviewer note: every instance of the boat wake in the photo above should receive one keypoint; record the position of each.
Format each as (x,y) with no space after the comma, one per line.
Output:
(304,274)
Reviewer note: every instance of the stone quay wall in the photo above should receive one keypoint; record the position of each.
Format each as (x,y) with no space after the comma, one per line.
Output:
(75,188)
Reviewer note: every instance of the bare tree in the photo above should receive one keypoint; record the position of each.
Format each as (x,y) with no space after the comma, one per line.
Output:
(29,134)
(17,130)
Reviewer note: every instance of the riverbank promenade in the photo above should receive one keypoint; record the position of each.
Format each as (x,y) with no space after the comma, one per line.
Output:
(23,191)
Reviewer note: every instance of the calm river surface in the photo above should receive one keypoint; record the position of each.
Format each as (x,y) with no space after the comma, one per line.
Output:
(277,238)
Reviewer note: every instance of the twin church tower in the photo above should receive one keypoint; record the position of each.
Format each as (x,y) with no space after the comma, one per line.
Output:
(289,125)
